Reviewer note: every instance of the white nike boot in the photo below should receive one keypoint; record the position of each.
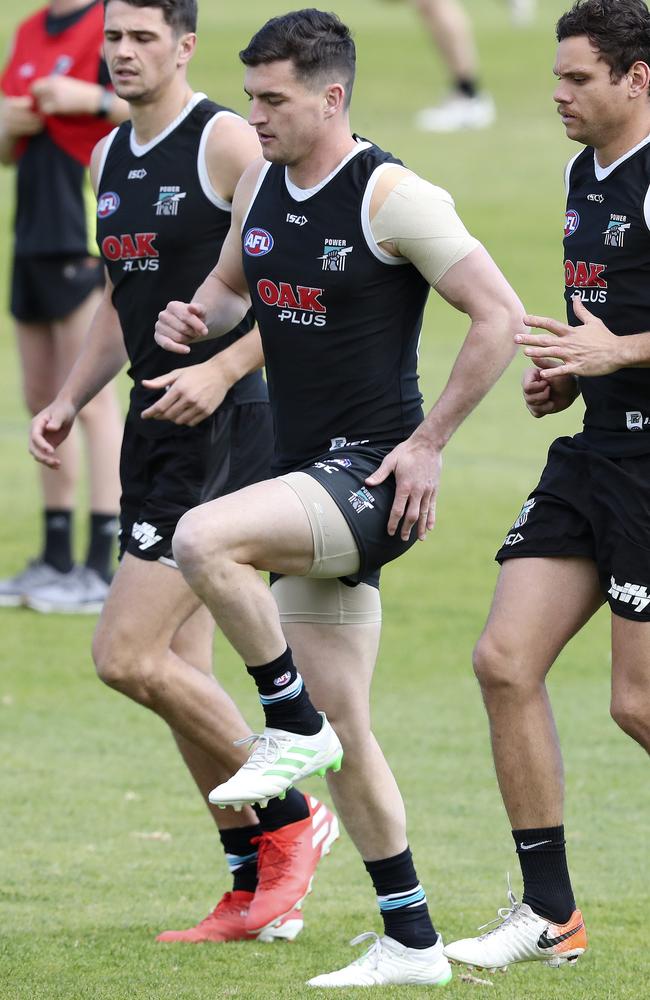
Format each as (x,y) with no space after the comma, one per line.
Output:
(389,963)
(522,936)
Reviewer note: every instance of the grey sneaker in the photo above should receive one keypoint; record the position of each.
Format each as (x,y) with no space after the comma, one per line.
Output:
(36,574)
(82,591)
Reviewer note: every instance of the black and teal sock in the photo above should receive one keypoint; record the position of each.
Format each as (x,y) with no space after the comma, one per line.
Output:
(102,535)
(547,885)
(57,548)
(241,856)
(281,812)
(284,696)
(466,86)
(402,901)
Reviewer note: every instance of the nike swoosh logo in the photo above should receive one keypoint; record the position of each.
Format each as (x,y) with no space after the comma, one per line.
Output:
(538,843)
(544,941)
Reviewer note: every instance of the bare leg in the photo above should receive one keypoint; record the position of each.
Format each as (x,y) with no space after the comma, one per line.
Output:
(337,662)
(41,383)
(631,678)
(539,604)
(193,644)
(451,30)
(132,652)
(221,545)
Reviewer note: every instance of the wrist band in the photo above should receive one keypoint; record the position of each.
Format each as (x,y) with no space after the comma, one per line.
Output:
(105,104)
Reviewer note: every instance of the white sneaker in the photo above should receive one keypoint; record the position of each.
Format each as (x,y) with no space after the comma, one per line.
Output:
(522,12)
(36,574)
(457,112)
(389,963)
(278,760)
(522,936)
(82,591)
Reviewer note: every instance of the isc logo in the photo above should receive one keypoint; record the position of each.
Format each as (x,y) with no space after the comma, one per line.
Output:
(257,242)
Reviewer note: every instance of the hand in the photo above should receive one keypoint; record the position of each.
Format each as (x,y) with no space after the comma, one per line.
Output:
(48,429)
(18,118)
(542,397)
(192,394)
(590,349)
(180,324)
(417,473)
(63,95)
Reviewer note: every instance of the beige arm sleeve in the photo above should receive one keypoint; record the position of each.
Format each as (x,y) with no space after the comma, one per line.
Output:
(419,220)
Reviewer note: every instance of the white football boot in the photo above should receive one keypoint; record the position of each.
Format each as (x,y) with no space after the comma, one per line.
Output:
(522,936)
(279,759)
(389,963)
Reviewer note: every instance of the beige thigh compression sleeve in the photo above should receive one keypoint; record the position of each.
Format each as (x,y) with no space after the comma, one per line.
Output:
(335,550)
(326,602)
(319,597)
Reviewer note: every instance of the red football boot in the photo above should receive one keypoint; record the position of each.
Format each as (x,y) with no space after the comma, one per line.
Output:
(227,922)
(286,862)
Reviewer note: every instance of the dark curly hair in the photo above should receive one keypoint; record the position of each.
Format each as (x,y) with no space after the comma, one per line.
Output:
(317,44)
(181,15)
(619,29)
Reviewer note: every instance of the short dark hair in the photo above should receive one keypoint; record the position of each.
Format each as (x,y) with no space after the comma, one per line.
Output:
(181,15)
(317,44)
(619,29)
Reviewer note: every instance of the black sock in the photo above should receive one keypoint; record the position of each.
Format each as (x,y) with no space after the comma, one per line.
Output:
(241,855)
(57,550)
(468,87)
(281,812)
(402,901)
(547,886)
(103,532)
(284,697)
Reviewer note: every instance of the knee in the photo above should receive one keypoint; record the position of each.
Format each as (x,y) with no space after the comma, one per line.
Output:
(499,667)
(120,666)
(632,714)
(197,544)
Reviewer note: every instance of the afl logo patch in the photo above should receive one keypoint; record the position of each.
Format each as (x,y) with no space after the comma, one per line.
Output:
(571,222)
(282,679)
(257,242)
(108,203)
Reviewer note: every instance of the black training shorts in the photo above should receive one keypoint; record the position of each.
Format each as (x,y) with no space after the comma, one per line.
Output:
(44,289)
(163,477)
(587,504)
(343,474)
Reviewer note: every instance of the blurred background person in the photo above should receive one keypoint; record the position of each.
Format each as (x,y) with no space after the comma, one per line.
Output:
(55,106)
(466,105)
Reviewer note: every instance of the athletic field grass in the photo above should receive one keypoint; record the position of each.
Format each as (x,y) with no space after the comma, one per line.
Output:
(103,840)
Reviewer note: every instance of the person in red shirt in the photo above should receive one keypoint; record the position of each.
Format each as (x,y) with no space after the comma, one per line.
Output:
(55,106)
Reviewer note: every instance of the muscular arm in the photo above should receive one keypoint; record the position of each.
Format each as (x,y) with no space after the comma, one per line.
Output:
(465,275)
(195,392)
(222,301)
(64,95)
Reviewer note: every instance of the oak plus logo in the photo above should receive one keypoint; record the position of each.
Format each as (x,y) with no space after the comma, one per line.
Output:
(137,250)
(257,242)
(299,304)
(587,278)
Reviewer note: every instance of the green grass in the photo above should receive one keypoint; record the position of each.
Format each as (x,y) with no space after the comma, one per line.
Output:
(85,773)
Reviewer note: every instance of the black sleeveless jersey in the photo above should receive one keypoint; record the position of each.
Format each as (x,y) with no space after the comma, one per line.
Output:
(340,319)
(160,228)
(607,260)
